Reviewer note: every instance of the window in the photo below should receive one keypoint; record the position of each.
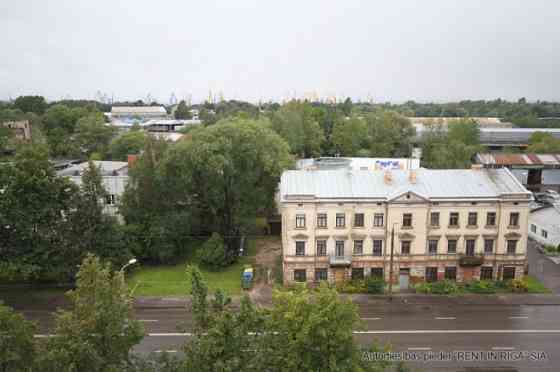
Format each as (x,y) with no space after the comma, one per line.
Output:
(471,243)
(359,220)
(544,234)
(514,219)
(432,246)
(377,272)
(473,217)
(340,220)
(431,274)
(453,219)
(509,273)
(321,274)
(511,246)
(300,221)
(321,247)
(491,219)
(300,248)
(434,219)
(533,228)
(110,199)
(358,247)
(405,247)
(488,246)
(407,220)
(451,273)
(377,247)
(322,220)
(300,275)
(486,273)
(378,220)
(452,246)
(357,273)
(339,248)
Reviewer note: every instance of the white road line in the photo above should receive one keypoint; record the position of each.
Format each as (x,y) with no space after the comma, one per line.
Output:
(165,351)
(419,348)
(445,317)
(518,317)
(371,318)
(503,348)
(451,331)
(148,320)
(172,334)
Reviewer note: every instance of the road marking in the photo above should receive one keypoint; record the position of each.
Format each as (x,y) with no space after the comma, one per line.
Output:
(503,348)
(172,334)
(148,320)
(518,317)
(165,351)
(445,317)
(371,318)
(420,348)
(445,331)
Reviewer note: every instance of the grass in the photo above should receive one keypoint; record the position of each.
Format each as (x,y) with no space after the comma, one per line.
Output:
(535,286)
(172,280)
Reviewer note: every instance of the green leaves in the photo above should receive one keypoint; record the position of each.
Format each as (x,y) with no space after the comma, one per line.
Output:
(17,349)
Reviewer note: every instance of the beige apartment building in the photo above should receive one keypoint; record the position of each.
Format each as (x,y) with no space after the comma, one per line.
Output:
(454,224)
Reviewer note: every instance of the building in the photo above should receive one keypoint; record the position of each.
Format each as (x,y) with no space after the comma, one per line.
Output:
(455,224)
(169,125)
(537,172)
(114,175)
(326,163)
(483,122)
(20,129)
(544,225)
(137,113)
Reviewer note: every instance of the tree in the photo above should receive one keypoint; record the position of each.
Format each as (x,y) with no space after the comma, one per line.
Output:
(99,331)
(128,143)
(389,134)
(93,135)
(17,349)
(295,123)
(350,136)
(183,111)
(543,143)
(59,125)
(465,131)
(213,253)
(35,104)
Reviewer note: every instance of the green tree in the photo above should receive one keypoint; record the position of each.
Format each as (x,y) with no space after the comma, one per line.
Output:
(350,136)
(296,124)
(465,131)
(99,331)
(389,134)
(93,135)
(59,125)
(35,104)
(213,253)
(17,348)
(543,143)
(128,143)
(183,111)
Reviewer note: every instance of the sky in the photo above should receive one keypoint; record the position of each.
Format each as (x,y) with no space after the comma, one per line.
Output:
(431,50)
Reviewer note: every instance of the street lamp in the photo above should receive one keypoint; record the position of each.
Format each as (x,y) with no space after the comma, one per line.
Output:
(132,261)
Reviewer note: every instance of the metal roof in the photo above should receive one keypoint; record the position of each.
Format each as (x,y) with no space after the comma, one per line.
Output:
(138,110)
(518,159)
(106,168)
(430,184)
(326,163)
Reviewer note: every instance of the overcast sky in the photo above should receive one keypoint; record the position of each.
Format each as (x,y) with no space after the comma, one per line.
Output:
(258,49)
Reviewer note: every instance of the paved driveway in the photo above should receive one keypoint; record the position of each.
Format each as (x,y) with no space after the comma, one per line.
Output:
(543,268)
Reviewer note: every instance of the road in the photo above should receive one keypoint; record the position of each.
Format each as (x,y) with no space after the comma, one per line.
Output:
(418,330)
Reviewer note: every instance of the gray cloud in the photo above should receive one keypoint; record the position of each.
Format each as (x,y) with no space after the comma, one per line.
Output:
(249,49)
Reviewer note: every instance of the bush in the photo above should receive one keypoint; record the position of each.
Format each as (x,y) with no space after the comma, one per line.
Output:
(353,286)
(518,285)
(423,287)
(551,250)
(445,287)
(481,286)
(213,253)
(375,285)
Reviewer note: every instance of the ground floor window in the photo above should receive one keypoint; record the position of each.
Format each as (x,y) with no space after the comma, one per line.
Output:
(300,275)
(321,274)
(486,273)
(377,272)
(431,274)
(509,273)
(451,273)
(357,273)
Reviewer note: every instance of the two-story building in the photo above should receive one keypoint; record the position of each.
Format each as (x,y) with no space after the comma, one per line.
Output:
(454,224)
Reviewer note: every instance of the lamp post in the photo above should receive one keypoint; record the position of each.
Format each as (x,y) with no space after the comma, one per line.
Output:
(132,261)
(391,262)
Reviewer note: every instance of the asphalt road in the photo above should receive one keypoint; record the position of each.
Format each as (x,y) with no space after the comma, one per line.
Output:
(509,333)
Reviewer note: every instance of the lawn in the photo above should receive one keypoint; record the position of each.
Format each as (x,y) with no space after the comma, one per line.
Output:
(535,286)
(172,281)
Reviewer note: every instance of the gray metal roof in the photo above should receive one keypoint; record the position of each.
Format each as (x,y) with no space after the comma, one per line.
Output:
(138,110)
(430,184)
(106,168)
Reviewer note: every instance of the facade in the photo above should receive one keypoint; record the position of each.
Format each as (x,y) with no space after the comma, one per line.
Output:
(483,122)
(21,129)
(544,225)
(114,175)
(140,113)
(327,163)
(455,224)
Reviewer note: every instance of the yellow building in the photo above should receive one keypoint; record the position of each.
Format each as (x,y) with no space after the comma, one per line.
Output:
(454,224)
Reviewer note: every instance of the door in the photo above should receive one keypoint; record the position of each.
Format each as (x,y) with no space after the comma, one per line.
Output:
(467,274)
(339,275)
(404,275)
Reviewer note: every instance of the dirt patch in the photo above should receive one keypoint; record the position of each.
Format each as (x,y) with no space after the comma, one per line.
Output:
(269,253)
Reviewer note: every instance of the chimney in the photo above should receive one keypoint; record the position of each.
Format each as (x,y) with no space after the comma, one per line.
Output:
(388,177)
(131,160)
(412,176)
(476,166)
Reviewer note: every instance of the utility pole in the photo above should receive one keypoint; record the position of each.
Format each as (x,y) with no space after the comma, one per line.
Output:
(391,263)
